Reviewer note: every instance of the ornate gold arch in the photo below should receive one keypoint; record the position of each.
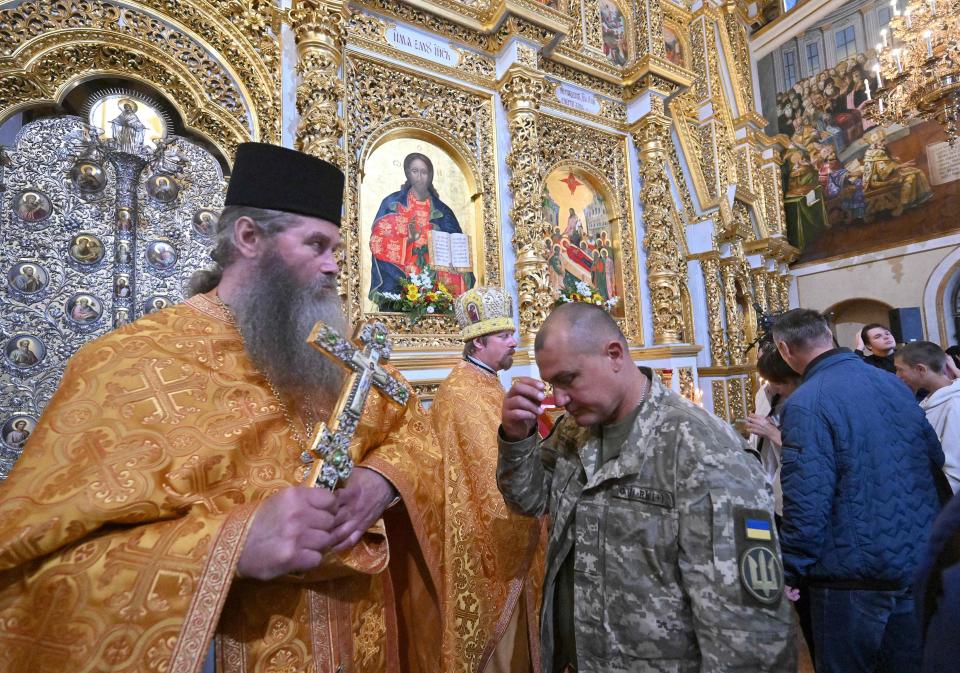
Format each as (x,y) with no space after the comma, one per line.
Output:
(385,101)
(222,81)
(603,155)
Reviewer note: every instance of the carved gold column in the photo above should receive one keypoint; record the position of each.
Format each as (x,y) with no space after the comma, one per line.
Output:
(736,338)
(783,285)
(772,291)
(759,276)
(522,89)
(664,260)
(711,283)
(319,27)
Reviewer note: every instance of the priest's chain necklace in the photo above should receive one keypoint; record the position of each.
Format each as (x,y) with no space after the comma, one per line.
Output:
(309,420)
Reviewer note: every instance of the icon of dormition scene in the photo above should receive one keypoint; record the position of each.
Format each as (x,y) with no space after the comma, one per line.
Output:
(417,216)
(583,244)
(850,185)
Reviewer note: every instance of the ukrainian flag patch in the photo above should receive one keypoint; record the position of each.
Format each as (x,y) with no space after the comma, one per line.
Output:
(758,529)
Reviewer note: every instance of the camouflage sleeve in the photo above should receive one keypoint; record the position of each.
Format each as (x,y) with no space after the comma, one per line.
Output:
(729,555)
(522,477)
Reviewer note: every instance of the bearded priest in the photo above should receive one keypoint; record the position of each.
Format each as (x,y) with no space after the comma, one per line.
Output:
(156,520)
(493,558)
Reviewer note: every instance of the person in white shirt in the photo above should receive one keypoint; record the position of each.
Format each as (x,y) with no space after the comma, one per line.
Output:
(923,365)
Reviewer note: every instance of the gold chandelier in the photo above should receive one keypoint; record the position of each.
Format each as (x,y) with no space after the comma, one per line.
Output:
(917,73)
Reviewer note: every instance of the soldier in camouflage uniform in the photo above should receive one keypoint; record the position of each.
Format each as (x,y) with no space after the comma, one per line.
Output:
(662,553)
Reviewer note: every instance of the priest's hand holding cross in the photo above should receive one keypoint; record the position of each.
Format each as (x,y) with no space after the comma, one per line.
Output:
(297,526)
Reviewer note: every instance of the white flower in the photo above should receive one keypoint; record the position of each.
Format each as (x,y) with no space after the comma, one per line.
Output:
(392,296)
(429,309)
(583,288)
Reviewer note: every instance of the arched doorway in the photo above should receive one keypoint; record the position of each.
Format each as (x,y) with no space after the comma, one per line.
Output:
(848,318)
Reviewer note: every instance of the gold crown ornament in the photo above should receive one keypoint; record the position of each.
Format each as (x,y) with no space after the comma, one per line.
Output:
(483,310)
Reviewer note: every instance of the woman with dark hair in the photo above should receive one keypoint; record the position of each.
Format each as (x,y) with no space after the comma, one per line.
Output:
(954,353)
(880,341)
(780,382)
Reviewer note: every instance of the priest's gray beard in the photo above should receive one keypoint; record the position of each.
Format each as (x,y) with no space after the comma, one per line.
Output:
(275,318)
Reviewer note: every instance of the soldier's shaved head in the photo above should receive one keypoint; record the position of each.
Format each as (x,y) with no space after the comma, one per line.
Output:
(585,328)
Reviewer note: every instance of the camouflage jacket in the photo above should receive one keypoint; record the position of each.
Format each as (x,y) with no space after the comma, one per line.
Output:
(676,560)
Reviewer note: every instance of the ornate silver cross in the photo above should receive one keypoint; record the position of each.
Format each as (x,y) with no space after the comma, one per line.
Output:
(329,454)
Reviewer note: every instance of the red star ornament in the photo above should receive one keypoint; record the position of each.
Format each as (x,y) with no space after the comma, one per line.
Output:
(571,182)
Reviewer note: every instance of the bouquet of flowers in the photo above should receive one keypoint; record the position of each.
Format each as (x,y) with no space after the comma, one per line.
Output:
(584,292)
(420,294)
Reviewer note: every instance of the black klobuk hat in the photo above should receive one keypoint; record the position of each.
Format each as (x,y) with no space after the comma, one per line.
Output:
(278,178)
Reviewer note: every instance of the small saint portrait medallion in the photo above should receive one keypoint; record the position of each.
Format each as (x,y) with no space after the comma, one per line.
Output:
(32,206)
(124,220)
(205,222)
(124,256)
(24,351)
(16,430)
(163,187)
(83,310)
(161,255)
(155,303)
(121,317)
(88,177)
(27,278)
(86,250)
(121,287)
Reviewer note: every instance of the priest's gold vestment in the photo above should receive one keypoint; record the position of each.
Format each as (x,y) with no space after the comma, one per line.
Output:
(122,523)
(493,558)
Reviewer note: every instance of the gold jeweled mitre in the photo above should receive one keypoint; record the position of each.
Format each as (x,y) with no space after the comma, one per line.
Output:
(483,310)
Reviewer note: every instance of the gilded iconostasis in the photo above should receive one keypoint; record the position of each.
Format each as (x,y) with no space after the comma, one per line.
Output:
(608,149)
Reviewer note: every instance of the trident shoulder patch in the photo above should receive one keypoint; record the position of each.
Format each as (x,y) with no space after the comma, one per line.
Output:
(758,561)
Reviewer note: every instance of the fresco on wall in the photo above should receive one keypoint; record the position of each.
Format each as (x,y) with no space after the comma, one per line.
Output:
(851,186)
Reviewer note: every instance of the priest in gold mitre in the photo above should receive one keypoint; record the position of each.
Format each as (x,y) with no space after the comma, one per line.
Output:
(156,520)
(493,565)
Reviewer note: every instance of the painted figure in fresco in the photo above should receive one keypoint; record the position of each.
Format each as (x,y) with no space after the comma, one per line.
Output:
(613,27)
(18,436)
(891,184)
(127,128)
(22,353)
(400,237)
(806,215)
(33,207)
(27,279)
(841,185)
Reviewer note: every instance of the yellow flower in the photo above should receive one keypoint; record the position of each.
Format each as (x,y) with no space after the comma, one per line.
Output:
(413,293)
(597,297)
(443,288)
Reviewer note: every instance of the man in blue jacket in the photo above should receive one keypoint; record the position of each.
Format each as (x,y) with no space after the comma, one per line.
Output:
(859,500)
